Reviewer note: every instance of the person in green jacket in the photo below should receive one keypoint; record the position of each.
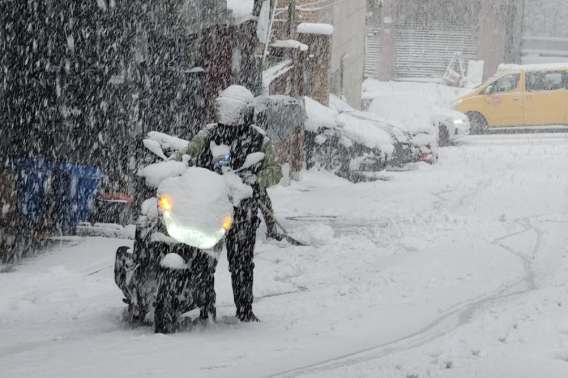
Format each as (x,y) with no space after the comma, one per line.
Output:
(234,113)
(270,170)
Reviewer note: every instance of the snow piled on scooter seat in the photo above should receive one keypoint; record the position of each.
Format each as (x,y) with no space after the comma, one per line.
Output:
(199,207)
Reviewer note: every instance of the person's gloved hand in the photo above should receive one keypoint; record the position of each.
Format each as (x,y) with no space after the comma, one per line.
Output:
(247,176)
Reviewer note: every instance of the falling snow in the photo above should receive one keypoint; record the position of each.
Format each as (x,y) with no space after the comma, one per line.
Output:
(174,171)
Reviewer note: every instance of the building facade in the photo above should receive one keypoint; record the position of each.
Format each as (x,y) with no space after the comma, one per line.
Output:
(348,39)
(416,39)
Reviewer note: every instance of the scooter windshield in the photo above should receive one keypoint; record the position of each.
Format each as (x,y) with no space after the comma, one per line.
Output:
(195,207)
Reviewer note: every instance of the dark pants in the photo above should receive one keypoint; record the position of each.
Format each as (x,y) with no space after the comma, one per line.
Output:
(240,243)
(268,220)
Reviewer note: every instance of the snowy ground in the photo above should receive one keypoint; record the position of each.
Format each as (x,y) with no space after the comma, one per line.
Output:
(453,270)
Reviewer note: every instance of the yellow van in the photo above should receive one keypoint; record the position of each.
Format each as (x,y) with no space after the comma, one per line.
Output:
(530,95)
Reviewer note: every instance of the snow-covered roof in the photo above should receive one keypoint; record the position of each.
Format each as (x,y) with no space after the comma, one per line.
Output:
(290,44)
(274,72)
(240,8)
(322,29)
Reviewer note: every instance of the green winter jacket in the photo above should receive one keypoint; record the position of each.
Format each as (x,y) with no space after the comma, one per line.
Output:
(270,171)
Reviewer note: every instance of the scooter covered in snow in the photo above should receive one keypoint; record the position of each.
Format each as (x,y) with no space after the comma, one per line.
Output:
(179,233)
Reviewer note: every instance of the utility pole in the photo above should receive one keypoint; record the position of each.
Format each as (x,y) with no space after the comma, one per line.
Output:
(269,34)
(292,19)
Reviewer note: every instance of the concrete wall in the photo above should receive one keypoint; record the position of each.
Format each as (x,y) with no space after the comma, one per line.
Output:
(348,47)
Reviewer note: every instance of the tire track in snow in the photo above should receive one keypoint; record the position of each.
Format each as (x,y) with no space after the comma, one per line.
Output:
(529,277)
(438,328)
(458,316)
(482,186)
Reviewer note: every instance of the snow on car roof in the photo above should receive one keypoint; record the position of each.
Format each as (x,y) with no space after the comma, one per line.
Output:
(544,66)
(414,112)
(339,105)
(318,115)
(366,133)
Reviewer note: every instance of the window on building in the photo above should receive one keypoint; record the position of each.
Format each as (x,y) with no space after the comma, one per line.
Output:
(545,81)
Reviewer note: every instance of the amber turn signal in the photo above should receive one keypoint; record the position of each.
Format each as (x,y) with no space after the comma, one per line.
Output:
(227,223)
(165,203)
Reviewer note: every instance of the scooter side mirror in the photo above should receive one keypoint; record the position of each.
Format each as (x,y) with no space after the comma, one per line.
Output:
(155,148)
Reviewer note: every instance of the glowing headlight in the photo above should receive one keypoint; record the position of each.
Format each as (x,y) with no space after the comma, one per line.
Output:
(192,236)
(458,121)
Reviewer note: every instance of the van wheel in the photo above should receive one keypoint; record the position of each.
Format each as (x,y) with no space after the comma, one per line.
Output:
(478,123)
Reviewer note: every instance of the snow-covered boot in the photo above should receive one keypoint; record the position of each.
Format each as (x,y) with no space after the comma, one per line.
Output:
(208,313)
(245,314)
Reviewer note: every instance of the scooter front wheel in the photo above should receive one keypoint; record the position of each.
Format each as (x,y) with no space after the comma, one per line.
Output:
(168,310)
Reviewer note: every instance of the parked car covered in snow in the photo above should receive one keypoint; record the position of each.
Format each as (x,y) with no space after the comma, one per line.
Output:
(412,143)
(421,115)
(351,145)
